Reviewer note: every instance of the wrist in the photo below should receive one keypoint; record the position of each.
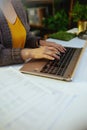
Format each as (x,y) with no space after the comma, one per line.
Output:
(25,54)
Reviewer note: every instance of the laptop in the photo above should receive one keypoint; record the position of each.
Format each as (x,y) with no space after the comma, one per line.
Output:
(63,69)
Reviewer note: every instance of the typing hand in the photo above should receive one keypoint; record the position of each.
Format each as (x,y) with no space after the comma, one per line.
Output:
(53,44)
(46,52)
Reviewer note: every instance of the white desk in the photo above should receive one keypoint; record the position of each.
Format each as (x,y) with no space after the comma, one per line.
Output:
(76,115)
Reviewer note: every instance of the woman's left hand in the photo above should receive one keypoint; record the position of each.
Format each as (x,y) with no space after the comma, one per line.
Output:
(53,44)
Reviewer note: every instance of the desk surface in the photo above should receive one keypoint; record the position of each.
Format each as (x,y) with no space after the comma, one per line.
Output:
(75,116)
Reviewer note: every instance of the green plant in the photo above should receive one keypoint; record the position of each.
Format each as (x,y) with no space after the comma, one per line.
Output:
(57,22)
(79,12)
(63,35)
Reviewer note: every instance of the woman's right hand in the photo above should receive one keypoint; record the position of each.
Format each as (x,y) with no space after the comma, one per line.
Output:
(39,53)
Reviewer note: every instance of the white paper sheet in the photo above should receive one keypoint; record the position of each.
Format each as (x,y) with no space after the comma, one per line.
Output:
(25,105)
(75,42)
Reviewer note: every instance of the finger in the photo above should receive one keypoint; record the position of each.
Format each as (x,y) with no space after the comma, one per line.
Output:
(61,48)
(56,56)
(48,57)
(50,52)
(57,46)
(53,49)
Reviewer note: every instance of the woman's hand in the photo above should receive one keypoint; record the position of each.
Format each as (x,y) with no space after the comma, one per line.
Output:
(52,44)
(47,52)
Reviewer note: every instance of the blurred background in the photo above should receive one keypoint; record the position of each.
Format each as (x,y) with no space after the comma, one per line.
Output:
(48,16)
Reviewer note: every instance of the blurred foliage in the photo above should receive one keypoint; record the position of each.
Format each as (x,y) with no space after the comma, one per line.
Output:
(59,21)
(79,12)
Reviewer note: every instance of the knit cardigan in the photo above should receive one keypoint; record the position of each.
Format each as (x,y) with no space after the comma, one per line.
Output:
(9,55)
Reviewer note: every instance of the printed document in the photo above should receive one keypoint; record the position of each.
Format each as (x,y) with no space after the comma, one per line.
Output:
(25,105)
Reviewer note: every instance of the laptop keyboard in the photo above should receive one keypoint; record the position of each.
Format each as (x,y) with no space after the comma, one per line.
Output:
(58,67)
